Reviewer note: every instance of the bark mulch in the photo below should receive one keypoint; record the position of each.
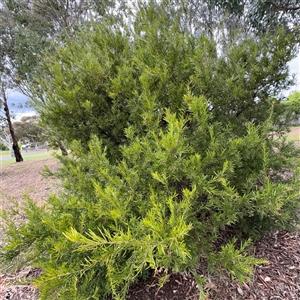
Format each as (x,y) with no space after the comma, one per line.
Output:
(279,279)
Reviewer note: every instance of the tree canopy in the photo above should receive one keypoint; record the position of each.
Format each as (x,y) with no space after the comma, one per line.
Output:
(293,102)
(27,129)
(261,16)
(29,27)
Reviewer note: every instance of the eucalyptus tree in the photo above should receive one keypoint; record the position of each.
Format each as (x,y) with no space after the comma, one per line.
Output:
(29,28)
(4,103)
(261,16)
(269,15)
(35,25)
(7,75)
(27,128)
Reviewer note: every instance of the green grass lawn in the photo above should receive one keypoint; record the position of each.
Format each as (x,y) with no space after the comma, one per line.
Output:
(4,153)
(293,137)
(32,156)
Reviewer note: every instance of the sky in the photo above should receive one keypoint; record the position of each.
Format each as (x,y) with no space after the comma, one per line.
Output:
(19,107)
(294,69)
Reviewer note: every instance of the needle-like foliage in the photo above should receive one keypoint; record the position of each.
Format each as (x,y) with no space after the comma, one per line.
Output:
(173,157)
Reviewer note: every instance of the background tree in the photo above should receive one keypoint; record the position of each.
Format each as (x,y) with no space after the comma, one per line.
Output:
(292,108)
(269,15)
(15,146)
(7,75)
(261,16)
(29,27)
(34,25)
(3,146)
(5,140)
(28,129)
(293,101)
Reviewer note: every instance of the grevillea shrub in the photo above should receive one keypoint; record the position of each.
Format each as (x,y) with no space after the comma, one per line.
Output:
(169,199)
(173,157)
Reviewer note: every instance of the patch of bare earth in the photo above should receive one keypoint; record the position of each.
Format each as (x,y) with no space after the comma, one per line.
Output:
(16,180)
(25,177)
(279,279)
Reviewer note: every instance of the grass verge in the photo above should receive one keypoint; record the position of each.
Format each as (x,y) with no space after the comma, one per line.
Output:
(26,157)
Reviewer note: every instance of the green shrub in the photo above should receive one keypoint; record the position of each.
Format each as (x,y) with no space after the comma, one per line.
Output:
(108,78)
(172,158)
(161,205)
(3,147)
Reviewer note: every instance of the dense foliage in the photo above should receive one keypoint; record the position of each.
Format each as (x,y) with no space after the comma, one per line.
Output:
(100,83)
(174,157)
(292,106)
(262,16)
(3,147)
(27,129)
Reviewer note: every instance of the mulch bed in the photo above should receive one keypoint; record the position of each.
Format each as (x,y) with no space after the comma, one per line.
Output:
(13,286)
(279,279)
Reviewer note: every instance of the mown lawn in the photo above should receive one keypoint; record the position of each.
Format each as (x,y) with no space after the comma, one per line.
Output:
(5,157)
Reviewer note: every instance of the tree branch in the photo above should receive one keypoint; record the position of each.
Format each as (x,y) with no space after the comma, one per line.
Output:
(286,8)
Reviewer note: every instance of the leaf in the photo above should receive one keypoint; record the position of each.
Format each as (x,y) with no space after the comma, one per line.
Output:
(240,291)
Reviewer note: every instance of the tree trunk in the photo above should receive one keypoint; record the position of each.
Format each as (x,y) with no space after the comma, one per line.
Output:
(16,148)
(63,150)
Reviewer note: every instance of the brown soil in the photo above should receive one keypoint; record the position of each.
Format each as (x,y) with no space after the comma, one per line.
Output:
(18,179)
(24,177)
(279,279)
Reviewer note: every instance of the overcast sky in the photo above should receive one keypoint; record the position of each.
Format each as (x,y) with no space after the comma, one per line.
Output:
(18,105)
(295,69)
